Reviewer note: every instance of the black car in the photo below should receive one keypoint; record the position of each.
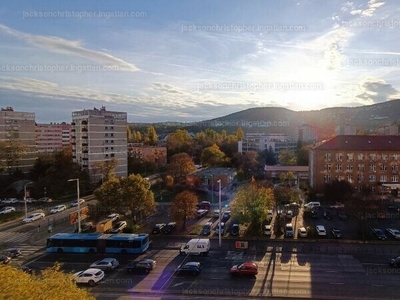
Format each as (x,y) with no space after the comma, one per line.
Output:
(314,214)
(158,228)
(327,215)
(235,229)
(379,234)
(395,262)
(13,252)
(190,268)
(169,228)
(342,215)
(26,269)
(206,229)
(141,266)
(336,232)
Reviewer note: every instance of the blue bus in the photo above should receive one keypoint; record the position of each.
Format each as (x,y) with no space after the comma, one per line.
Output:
(122,243)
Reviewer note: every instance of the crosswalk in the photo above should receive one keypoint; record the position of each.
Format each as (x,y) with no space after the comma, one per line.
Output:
(14,238)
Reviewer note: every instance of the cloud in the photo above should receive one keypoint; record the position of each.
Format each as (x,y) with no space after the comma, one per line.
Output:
(367,12)
(59,45)
(377,91)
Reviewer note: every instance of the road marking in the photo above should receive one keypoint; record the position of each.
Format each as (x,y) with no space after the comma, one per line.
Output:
(178,284)
(331,271)
(216,278)
(336,282)
(378,285)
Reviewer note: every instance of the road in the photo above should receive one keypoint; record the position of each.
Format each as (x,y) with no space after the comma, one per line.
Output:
(281,274)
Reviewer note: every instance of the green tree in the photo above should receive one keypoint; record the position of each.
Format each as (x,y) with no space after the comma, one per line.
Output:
(252,202)
(104,169)
(302,156)
(212,156)
(181,164)
(284,195)
(183,208)
(50,284)
(287,158)
(248,162)
(127,195)
(179,141)
(11,153)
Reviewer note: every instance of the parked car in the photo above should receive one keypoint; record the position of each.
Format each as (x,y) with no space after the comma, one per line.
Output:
(31,200)
(320,230)
(206,229)
(4,259)
(393,233)
(235,229)
(25,269)
(289,230)
(267,230)
(158,228)
(201,213)
(216,213)
(90,276)
(289,214)
(189,268)
(302,232)
(342,215)
(58,208)
(10,201)
(12,252)
(395,262)
(336,232)
(144,265)
(327,215)
(247,268)
(119,226)
(87,227)
(169,228)
(114,217)
(45,199)
(33,217)
(269,214)
(337,205)
(222,228)
(75,203)
(106,264)
(226,216)
(7,210)
(379,233)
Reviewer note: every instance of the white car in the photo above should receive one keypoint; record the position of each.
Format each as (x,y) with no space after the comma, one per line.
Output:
(90,276)
(10,201)
(7,210)
(75,203)
(394,233)
(58,208)
(268,230)
(320,230)
(113,217)
(302,232)
(33,217)
(119,226)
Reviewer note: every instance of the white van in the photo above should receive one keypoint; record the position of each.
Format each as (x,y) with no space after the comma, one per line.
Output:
(196,247)
(311,205)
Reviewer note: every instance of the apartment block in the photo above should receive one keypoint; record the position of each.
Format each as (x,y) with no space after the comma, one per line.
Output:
(97,136)
(306,133)
(19,127)
(153,154)
(260,142)
(53,136)
(361,160)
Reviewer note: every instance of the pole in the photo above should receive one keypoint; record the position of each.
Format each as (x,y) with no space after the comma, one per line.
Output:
(26,206)
(79,204)
(219,202)
(212,191)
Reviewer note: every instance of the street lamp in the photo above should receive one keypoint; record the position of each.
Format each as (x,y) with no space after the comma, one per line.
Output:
(26,207)
(219,223)
(79,204)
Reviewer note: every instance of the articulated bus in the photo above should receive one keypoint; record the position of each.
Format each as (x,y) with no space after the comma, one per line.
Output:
(123,243)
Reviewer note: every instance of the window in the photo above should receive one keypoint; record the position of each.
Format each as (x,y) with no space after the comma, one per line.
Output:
(349,167)
(372,178)
(395,157)
(360,167)
(327,157)
(395,168)
(349,178)
(349,156)
(327,178)
(327,167)
(395,178)
(372,157)
(384,157)
(338,167)
(360,178)
(339,156)
(360,156)
(372,167)
(383,167)
(383,178)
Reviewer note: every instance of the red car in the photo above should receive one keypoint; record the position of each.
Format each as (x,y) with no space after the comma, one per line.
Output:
(247,268)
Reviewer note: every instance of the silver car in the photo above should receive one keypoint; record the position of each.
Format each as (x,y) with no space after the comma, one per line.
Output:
(106,264)
(33,217)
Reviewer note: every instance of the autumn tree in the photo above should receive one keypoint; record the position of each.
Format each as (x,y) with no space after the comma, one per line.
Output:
(239,134)
(52,283)
(252,202)
(183,208)
(127,195)
(287,158)
(248,162)
(212,156)
(181,164)
(105,169)
(179,141)
(285,195)
(169,181)
(151,137)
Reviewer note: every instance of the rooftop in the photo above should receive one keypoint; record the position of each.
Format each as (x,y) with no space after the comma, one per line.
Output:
(361,142)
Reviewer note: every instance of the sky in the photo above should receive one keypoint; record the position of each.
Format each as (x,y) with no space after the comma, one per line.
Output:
(196,60)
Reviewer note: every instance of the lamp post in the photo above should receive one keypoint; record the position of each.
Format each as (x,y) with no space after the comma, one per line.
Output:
(79,204)
(219,203)
(26,206)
